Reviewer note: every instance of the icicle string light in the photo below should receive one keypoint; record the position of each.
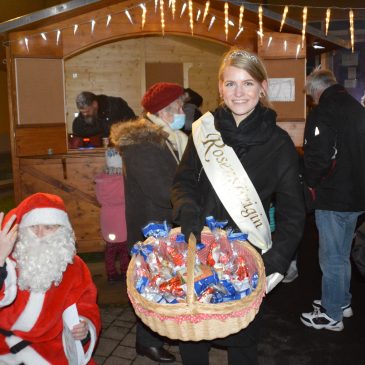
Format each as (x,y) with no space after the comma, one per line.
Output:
(305,12)
(173,8)
(206,10)
(195,17)
(328,16)
(58,36)
(226,8)
(240,20)
(212,20)
(93,22)
(351,16)
(191,17)
(162,16)
(238,33)
(285,12)
(128,15)
(144,12)
(108,19)
(183,8)
(260,25)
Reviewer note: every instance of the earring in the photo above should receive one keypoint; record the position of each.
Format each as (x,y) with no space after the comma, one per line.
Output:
(262,94)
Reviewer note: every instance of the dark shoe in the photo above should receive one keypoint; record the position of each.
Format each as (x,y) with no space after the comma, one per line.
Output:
(158,354)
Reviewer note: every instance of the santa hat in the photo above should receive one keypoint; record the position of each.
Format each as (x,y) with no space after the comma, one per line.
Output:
(160,95)
(40,208)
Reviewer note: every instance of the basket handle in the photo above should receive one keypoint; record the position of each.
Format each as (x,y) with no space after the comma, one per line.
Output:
(190,268)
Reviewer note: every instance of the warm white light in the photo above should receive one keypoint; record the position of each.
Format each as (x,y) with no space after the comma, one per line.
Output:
(26,43)
(212,20)
(162,16)
(269,42)
(58,36)
(206,10)
(126,12)
(351,15)
(328,16)
(173,8)
(284,17)
(226,7)
(260,24)
(298,49)
(92,26)
(238,33)
(108,19)
(43,35)
(144,12)
(198,15)
(242,9)
(75,28)
(285,45)
(191,17)
(305,12)
(156,3)
(183,10)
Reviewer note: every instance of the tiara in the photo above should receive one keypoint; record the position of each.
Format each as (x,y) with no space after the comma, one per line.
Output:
(243,54)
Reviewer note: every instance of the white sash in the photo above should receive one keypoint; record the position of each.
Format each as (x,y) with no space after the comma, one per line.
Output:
(231,182)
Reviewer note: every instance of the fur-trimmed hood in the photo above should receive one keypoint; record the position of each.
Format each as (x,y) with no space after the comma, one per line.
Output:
(135,132)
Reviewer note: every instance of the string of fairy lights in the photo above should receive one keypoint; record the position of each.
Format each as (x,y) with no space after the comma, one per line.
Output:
(194,11)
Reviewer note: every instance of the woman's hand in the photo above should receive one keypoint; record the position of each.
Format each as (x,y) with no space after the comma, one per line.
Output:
(79,331)
(7,237)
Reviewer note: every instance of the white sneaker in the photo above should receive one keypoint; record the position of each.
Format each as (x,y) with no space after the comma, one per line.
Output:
(292,272)
(347,311)
(319,320)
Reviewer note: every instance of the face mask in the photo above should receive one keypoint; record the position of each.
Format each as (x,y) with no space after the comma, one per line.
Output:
(178,122)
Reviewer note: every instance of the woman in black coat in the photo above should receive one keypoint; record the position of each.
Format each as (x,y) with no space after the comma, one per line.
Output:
(267,154)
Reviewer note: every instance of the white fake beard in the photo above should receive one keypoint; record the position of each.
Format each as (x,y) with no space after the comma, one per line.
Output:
(42,261)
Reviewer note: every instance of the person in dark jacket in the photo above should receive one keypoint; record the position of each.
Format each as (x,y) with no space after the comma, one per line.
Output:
(97,113)
(151,148)
(192,104)
(334,163)
(253,152)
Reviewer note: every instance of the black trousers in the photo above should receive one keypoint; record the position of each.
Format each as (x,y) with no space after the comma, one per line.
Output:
(241,347)
(146,337)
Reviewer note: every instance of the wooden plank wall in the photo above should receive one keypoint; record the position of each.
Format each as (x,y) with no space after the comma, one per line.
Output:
(72,178)
(117,69)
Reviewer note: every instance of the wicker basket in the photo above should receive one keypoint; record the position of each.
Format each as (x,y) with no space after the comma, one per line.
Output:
(195,321)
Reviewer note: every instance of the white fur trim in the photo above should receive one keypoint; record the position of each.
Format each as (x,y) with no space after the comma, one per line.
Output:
(93,339)
(9,284)
(27,356)
(30,314)
(45,216)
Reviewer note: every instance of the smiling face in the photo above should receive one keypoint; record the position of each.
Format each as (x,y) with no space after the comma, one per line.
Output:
(240,91)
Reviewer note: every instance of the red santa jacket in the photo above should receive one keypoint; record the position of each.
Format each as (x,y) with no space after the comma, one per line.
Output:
(37,317)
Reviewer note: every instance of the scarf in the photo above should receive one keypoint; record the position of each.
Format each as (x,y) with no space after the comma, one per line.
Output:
(256,129)
(178,139)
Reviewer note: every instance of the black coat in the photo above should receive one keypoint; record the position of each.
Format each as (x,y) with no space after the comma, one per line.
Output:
(270,160)
(149,167)
(334,151)
(110,110)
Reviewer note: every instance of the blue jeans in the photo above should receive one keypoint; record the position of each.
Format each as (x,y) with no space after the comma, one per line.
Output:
(336,231)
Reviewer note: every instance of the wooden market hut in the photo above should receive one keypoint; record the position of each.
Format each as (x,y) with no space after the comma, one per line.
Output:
(103,47)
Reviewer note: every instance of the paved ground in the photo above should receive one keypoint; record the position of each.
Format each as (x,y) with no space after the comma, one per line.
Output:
(116,344)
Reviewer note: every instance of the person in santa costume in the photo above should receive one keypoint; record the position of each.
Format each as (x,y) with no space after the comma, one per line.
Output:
(40,277)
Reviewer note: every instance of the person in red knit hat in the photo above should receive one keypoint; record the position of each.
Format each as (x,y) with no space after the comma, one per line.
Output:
(151,148)
(40,277)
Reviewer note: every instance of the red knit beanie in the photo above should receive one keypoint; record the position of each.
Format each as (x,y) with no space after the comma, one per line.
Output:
(160,95)
(40,208)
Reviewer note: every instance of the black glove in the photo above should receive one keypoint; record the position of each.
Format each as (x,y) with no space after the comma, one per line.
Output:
(190,222)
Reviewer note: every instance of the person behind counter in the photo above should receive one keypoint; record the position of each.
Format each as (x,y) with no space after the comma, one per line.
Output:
(97,113)
(261,159)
